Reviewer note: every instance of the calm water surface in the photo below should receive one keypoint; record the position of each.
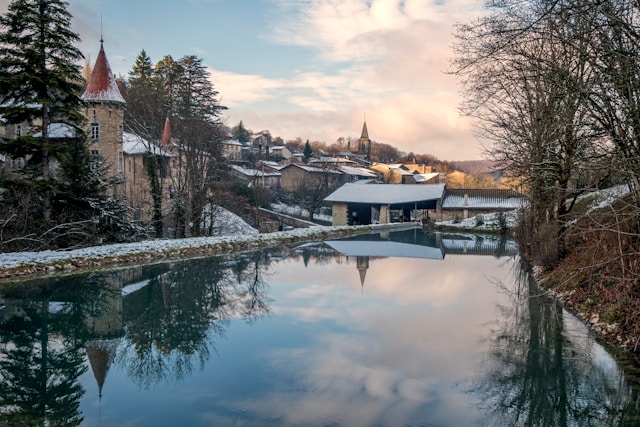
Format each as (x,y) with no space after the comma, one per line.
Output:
(398,329)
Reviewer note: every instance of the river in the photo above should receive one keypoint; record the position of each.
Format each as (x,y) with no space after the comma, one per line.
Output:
(392,329)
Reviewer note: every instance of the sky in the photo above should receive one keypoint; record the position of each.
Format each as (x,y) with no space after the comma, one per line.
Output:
(313,69)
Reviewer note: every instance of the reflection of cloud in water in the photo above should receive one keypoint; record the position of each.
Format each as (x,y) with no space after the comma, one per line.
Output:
(397,343)
(333,382)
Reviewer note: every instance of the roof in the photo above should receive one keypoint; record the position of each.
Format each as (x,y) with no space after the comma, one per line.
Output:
(365,132)
(59,131)
(232,142)
(483,199)
(385,249)
(254,172)
(355,171)
(422,177)
(134,144)
(166,132)
(102,85)
(312,169)
(386,194)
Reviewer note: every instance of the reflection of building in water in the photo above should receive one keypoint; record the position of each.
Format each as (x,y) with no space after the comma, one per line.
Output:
(418,243)
(362,264)
(101,354)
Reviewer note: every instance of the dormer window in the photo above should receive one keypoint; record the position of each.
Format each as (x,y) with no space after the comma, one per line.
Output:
(94,131)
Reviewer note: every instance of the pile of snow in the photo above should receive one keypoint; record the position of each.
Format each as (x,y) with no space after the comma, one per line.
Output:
(226,223)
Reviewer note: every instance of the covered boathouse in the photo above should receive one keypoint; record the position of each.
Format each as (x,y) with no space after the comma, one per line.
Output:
(355,203)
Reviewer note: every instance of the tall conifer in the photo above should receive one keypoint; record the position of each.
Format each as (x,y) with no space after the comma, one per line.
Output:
(40,80)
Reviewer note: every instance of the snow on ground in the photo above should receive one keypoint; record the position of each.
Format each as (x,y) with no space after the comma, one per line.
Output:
(226,223)
(298,212)
(228,227)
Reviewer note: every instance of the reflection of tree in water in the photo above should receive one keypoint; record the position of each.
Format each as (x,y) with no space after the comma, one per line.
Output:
(173,322)
(537,376)
(42,346)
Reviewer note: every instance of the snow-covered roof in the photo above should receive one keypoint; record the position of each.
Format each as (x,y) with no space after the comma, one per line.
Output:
(232,142)
(102,85)
(385,249)
(133,144)
(254,172)
(351,170)
(386,193)
(483,199)
(59,131)
(273,165)
(312,169)
(423,177)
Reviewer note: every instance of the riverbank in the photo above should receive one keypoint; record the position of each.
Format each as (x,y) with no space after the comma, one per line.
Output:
(599,279)
(19,264)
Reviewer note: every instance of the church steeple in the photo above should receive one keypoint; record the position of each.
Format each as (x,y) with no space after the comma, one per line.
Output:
(102,85)
(364,143)
(365,132)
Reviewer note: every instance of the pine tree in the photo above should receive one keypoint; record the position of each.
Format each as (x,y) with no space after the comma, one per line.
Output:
(39,84)
(195,112)
(308,152)
(240,133)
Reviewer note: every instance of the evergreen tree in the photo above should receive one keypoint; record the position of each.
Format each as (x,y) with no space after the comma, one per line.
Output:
(308,152)
(195,112)
(39,84)
(240,133)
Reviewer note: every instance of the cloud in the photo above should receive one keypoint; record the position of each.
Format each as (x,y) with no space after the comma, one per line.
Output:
(387,59)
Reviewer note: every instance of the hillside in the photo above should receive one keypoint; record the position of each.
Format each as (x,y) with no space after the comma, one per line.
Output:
(598,279)
(474,166)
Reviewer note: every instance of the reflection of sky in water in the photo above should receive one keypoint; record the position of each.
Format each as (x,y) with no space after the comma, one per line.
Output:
(401,350)
(404,343)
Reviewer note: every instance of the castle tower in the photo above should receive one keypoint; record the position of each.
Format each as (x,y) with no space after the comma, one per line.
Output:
(364,143)
(104,109)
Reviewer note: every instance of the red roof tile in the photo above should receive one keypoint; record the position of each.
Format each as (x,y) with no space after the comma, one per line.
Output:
(102,84)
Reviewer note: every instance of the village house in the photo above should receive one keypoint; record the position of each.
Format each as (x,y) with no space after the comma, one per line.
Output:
(279,152)
(394,173)
(232,150)
(265,177)
(137,153)
(299,176)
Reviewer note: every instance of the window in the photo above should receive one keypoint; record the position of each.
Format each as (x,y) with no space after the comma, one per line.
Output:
(120,161)
(18,130)
(94,132)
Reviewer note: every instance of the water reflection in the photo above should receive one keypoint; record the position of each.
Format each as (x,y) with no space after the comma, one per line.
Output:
(442,334)
(545,369)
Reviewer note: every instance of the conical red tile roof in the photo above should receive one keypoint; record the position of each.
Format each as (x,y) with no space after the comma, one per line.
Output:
(102,86)
(166,132)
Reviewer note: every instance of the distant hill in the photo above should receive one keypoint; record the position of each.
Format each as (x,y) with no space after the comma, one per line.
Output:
(474,166)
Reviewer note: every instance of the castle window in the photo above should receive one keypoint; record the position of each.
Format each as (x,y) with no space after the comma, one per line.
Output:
(94,132)
(120,161)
